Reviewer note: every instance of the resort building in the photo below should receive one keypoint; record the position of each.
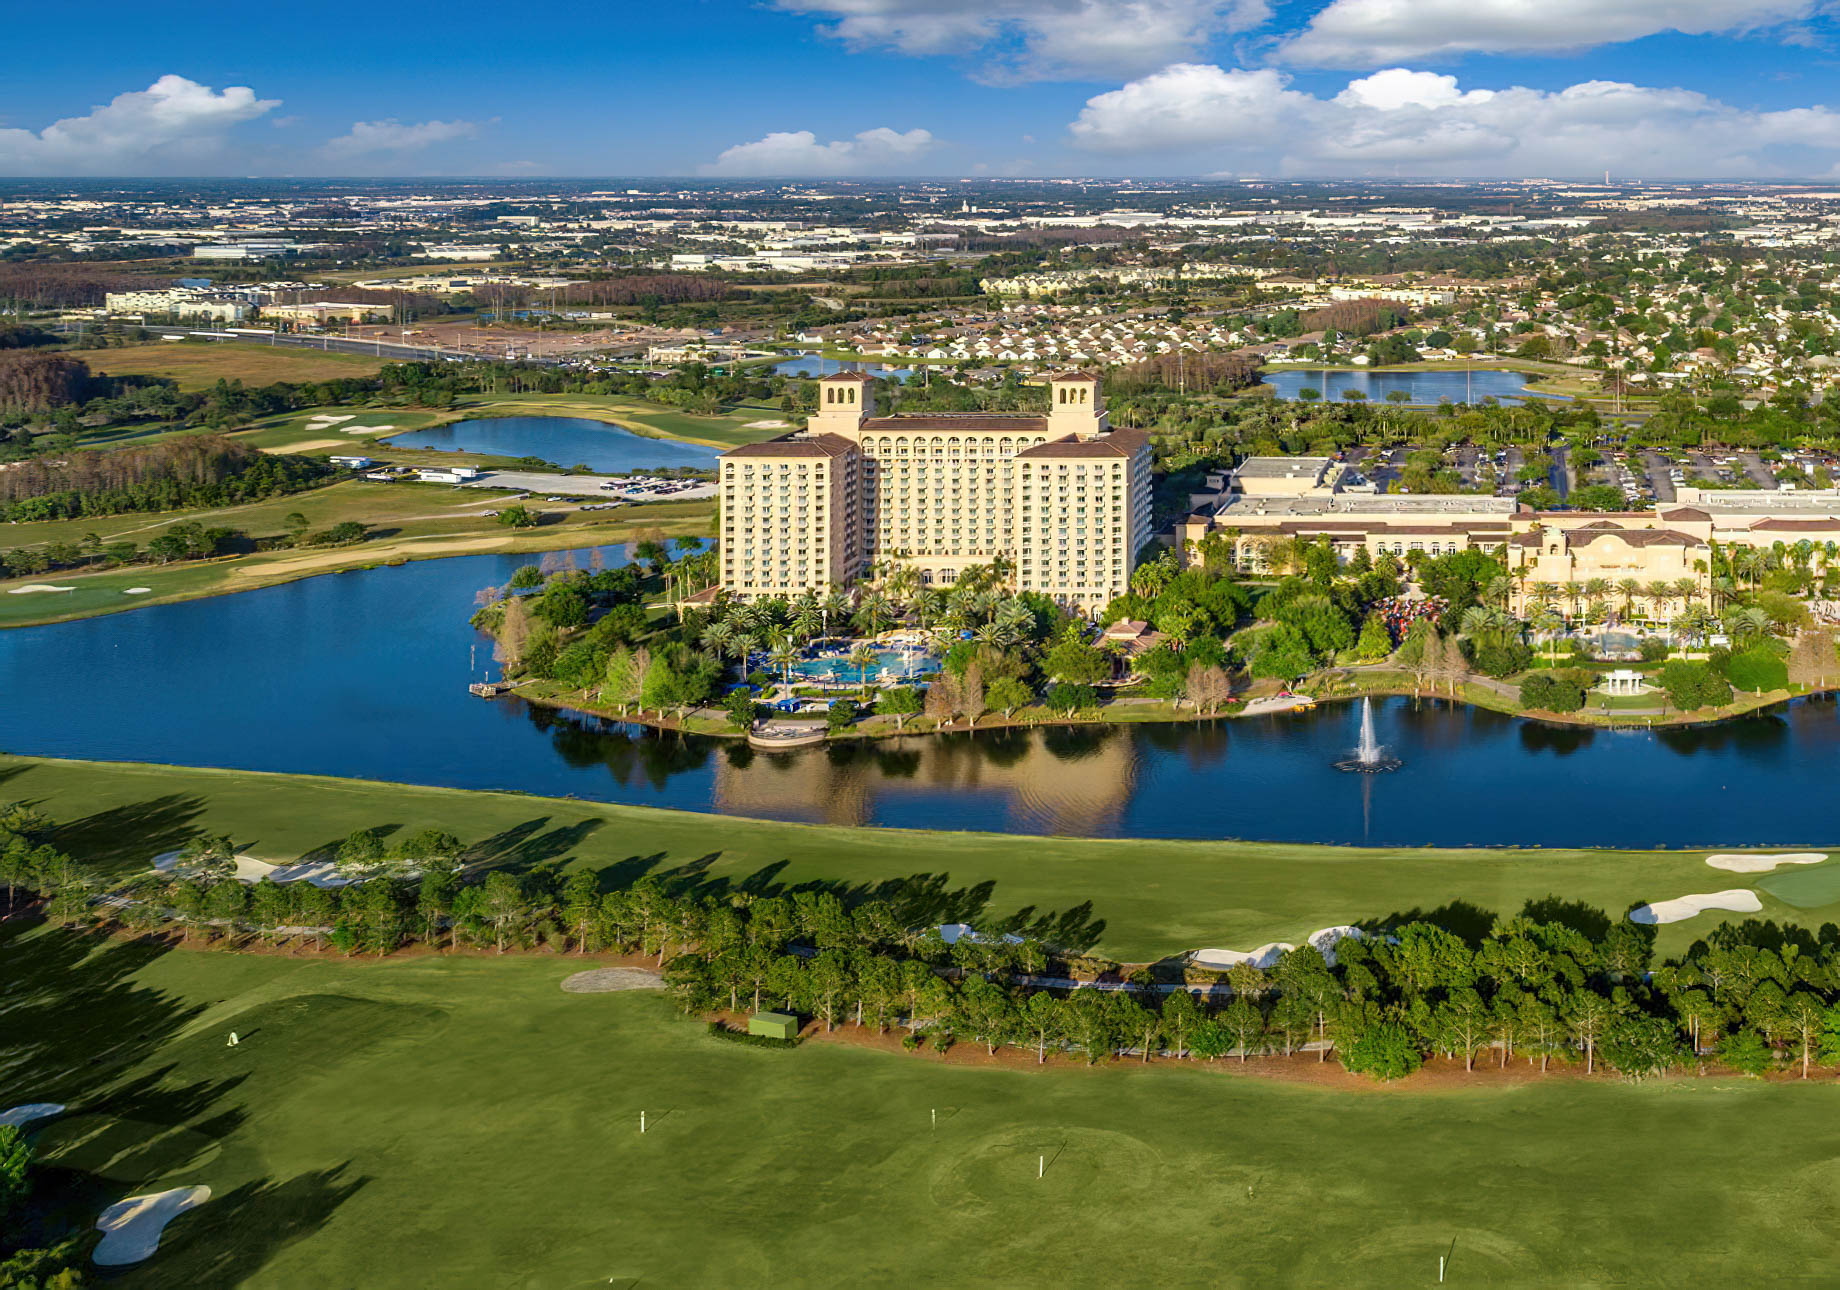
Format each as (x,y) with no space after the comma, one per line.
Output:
(1062,500)
(1551,555)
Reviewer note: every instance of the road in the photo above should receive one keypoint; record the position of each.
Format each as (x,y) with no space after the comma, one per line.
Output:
(327,344)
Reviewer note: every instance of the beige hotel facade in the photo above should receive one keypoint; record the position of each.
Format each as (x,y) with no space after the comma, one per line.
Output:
(1061,497)
(1267,499)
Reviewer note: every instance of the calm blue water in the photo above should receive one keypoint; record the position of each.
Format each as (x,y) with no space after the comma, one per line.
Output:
(364,674)
(888,663)
(814,365)
(1421,387)
(567,441)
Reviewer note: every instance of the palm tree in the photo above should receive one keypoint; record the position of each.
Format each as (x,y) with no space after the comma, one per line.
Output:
(1629,589)
(718,637)
(834,610)
(875,610)
(1596,613)
(1695,622)
(1660,598)
(1596,588)
(1478,622)
(807,621)
(742,645)
(1500,586)
(862,658)
(1549,623)
(784,654)
(1748,625)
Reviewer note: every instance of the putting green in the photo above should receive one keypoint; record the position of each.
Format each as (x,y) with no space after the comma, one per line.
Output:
(1804,888)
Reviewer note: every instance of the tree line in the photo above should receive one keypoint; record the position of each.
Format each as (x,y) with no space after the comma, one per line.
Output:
(1559,983)
(182,472)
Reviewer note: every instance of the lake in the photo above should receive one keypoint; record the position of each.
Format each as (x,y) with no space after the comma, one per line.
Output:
(364,674)
(567,441)
(815,365)
(1420,387)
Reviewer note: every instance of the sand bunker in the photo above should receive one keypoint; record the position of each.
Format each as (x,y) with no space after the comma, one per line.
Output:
(324,419)
(1763,864)
(252,869)
(29,1112)
(136,591)
(1740,900)
(953,933)
(31,587)
(368,429)
(1265,956)
(768,425)
(607,980)
(306,445)
(131,1228)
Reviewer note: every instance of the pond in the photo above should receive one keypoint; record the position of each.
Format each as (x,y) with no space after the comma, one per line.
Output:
(364,674)
(815,365)
(567,441)
(1420,387)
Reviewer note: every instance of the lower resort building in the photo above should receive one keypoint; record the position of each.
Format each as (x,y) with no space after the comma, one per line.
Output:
(1550,554)
(1061,499)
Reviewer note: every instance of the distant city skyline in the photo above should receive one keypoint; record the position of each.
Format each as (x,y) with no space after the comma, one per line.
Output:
(882,88)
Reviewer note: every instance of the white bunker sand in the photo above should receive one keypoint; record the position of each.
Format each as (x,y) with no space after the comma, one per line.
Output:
(28,1112)
(1763,864)
(368,429)
(768,425)
(131,1228)
(250,869)
(136,591)
(607,980)
(1740,900)
(1266,956)
(32,587)
(331,419)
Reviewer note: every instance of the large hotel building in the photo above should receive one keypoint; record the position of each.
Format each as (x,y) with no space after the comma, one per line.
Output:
(1062,497)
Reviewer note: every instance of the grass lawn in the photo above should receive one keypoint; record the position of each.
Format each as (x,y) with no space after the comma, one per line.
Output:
(199,366)
(406,521)
(461,1121)
(1134,900)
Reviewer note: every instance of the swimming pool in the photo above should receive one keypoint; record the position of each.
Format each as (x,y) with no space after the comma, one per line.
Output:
(889,665)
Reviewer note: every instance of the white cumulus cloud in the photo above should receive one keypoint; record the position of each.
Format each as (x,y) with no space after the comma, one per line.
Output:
(1033,40)
(368,137)
(1404,122)
(1374,33)
(171,126)
(798,153)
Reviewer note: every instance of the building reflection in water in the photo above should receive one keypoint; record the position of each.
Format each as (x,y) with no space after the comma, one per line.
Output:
(1068,781)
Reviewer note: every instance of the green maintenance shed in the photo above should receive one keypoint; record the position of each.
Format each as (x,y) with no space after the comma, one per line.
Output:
(774,1025)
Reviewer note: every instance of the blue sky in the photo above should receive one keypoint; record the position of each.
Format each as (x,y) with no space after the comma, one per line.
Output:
(726,88)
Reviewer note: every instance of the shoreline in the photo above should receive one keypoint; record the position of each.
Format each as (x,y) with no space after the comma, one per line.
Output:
(712,723)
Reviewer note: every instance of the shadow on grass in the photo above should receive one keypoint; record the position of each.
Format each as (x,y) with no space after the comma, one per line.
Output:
(127,837)
(533,845)
(918,900)
(79,1027)
(231,1237)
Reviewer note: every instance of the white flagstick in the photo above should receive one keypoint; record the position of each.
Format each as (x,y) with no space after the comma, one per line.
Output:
(1041,1166)
(642,1121)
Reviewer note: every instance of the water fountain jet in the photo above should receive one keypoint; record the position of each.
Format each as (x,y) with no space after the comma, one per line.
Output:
(1369,757)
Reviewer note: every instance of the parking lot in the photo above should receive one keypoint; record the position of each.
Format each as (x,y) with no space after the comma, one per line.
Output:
(602,487)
